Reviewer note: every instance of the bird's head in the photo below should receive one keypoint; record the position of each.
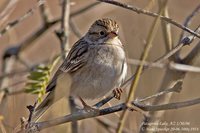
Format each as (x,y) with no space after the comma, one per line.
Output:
(103,30)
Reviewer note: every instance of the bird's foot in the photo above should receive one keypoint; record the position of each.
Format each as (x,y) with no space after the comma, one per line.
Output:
(87,107)
(90,109)
(117,93)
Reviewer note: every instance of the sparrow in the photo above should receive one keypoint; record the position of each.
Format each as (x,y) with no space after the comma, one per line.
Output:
(95,65)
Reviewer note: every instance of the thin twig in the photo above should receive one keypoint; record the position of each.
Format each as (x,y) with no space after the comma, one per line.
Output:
(50,24)
(75,28)
(171,77)
(9,90)
(141,11)
(80,115)
(22,18)
(176,88)
(62,34)
(10,74)
(176,105)
(139,70)
(8,9)
(168,65)
(189,19)
(44,12)
(7,67)
(166,28)
(84,9)
(186,40)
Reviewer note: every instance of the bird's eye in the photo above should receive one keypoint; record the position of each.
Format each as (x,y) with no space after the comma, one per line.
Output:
(102,33)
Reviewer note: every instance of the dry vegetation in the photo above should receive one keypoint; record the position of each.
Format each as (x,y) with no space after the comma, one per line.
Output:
(163,56)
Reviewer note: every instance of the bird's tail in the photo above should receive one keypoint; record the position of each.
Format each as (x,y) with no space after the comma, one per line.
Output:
(42,107)
(58,91)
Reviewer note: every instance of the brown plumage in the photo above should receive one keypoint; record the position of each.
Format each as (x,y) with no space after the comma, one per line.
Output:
(95,65)
(108,24)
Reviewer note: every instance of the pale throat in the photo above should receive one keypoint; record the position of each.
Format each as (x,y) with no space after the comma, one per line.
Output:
(113,40)
(109,41)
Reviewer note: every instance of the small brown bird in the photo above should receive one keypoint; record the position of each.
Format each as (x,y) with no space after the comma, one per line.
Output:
(95,65)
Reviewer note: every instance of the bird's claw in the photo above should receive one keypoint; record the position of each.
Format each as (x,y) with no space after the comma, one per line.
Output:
(117,93)
(88,108)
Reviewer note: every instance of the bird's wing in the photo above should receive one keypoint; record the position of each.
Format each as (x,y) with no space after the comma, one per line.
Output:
(75,59)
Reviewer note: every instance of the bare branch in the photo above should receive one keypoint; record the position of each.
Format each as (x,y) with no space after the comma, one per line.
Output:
(9,7)
(150,38)
(9,90)
(22,18)
(166,28)
(189,19)
(75,29)
(44,12)
(168,65)
(84,9)
(10,74)
(80,115)
(171,77)
(176,88)
(141,11)
(186,40)
(63,33)
(7,67)
(169,106)
(174,66)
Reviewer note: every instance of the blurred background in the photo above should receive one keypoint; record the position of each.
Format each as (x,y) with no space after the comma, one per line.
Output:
(134,29)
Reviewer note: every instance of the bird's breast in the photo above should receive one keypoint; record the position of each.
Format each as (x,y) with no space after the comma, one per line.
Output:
(102,72)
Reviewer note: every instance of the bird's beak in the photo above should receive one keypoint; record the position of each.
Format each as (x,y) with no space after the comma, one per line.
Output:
(112,34)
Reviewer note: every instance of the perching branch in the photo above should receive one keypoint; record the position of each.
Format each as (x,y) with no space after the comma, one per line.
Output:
(81,114)
(172,77)
(176,66)
(144,56)
(185,41)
